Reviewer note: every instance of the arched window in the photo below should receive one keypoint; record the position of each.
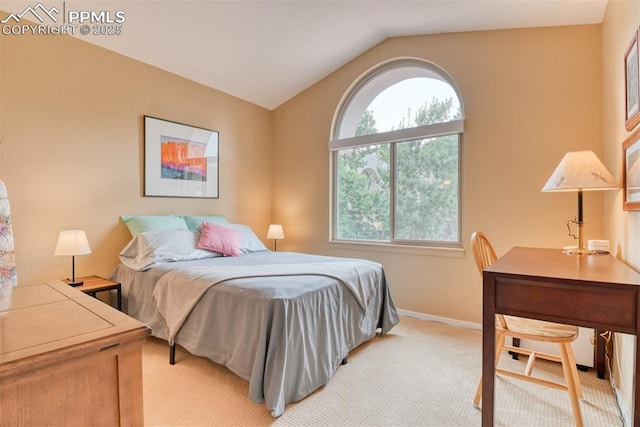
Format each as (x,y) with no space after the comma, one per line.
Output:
(396,151)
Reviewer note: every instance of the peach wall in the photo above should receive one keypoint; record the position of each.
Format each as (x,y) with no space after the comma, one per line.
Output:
(72,149)
(622,18)
(530,95)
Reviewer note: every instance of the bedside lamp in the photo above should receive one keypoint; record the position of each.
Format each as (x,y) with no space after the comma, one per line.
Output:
(580,171)
(72,243)
(276,233)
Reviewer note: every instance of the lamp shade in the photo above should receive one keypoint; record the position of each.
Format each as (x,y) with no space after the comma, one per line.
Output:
(580,171)
(275,232)
(72,242)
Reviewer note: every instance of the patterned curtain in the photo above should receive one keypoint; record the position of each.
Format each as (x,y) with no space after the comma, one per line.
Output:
(8,275)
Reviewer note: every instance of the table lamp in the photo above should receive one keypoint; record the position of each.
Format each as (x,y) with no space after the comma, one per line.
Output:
(580,171)
(72,243)
(276,233)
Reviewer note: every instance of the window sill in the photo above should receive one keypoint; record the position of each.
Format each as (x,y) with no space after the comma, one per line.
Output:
(399,249)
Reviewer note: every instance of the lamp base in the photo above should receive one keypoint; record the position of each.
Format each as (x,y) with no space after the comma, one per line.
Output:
(73,283)
(579,251)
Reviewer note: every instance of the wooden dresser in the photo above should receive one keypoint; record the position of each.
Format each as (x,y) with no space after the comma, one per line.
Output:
(68,359)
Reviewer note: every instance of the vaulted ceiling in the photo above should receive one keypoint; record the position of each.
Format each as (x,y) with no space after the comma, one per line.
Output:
(266,51)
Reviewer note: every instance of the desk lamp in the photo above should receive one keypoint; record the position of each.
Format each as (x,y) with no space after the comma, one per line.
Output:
(72,242)
(580,171)
(276,233)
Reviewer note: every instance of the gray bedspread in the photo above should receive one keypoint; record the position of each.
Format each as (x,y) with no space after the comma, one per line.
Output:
(285,332)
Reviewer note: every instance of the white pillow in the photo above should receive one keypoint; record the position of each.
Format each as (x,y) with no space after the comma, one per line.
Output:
(162,246)
(249,242)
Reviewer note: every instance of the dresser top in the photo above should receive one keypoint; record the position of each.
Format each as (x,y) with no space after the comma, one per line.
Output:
(36,320)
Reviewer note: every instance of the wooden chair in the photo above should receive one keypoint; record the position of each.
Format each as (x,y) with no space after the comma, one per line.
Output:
(534,330)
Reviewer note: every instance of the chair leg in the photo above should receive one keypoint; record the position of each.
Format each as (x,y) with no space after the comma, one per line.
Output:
(499,344)
(478,396)
(574,371)
(567,367)
(532,360)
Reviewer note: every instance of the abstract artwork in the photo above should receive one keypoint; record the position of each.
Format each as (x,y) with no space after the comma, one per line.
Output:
(180,160)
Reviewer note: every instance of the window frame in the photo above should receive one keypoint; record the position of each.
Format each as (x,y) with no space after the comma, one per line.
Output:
(454,127)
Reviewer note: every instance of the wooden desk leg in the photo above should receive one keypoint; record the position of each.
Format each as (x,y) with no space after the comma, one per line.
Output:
(516,343)
(488,348)
(601,347)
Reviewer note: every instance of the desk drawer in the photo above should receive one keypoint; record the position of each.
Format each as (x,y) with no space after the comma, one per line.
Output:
(596,306)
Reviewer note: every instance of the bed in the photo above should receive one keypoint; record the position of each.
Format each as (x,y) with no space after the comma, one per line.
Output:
(282,321)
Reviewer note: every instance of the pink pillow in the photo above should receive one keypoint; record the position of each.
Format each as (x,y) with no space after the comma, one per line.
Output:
(220,239)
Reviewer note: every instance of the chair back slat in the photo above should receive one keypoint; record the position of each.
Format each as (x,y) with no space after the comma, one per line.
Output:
(483,252)
(485,255)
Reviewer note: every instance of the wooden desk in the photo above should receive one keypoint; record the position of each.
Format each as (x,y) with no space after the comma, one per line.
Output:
(596,291)
(67,358)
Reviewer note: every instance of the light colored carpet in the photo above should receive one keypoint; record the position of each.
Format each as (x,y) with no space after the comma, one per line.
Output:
(420,374)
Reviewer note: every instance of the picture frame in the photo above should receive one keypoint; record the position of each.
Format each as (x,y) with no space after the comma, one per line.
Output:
(632,84)
(631,172)
(180,160)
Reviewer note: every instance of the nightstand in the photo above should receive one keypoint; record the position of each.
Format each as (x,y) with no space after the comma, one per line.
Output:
(94,284)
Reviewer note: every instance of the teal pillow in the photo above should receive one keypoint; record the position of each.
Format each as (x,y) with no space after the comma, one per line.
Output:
(194,222)
(140,223)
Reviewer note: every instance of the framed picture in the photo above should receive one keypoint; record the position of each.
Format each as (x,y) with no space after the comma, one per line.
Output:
(632,86)
(631,172)
(179,160)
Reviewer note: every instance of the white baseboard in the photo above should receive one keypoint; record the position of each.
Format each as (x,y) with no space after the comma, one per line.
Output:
(445,320)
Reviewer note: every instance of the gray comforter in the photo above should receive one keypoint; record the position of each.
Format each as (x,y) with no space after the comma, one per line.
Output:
(286,331)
